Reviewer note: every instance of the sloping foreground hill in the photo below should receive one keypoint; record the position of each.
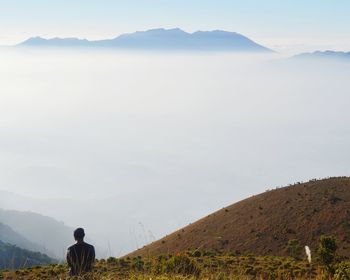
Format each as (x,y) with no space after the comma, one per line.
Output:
(13,257)
(264,223)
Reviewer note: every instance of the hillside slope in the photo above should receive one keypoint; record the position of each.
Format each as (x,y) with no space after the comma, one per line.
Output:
(264,223)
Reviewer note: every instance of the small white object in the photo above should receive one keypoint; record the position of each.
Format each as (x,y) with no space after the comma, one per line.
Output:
(308,253)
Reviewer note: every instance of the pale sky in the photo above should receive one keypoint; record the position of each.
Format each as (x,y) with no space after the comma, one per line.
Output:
(287,25)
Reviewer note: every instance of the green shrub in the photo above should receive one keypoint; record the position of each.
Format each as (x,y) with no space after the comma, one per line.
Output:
(123,263)
(249,270)
(195,254)
(342,272)
(327,252)
(294,249)
(137,264)
(111,260)
(182,264)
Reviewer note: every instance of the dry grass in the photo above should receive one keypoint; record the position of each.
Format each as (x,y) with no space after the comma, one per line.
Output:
(184,267)
(263,224)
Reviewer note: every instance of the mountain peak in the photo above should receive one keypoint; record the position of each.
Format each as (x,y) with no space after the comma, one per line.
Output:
(34,40)
(39,42)
(164,30)
(174,39)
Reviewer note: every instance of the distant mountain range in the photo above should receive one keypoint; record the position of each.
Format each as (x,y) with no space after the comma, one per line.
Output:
(35,232)
(333,55)
(20,250)
(13,257)
(8,235)
(161,39)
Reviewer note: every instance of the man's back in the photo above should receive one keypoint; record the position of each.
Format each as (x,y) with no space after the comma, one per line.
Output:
(80,258)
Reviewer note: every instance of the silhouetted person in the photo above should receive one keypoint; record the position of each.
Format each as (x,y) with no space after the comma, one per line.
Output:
(81,255)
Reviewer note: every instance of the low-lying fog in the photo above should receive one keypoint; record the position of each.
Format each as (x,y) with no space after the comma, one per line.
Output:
(134,146)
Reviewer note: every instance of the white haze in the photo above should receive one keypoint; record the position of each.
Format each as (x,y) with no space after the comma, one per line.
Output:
(133,146)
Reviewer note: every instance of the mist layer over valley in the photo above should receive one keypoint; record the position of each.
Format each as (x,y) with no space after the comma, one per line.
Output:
(132,146)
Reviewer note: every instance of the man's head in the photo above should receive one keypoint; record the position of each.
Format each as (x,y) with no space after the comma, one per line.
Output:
(79,234)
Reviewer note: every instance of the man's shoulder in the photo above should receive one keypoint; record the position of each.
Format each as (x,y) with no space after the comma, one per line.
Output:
(80,245)
(71,247)
(89,246)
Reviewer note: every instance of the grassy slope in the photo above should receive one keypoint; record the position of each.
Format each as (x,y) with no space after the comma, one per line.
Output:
(264,223)
(208,267)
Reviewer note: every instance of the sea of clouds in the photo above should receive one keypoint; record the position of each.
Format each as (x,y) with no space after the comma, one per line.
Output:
(135,145)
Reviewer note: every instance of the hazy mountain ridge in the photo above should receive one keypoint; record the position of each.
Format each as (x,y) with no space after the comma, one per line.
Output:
(8,235)
(331,55)
(161,39)
(52,237)
(13,257)
(59,42)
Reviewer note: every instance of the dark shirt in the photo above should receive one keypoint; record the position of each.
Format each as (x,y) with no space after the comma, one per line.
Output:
(80,258)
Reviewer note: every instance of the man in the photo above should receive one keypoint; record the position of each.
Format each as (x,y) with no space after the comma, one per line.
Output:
(81,255)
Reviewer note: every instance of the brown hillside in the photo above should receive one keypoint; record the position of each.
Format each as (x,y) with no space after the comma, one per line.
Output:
(264,223)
